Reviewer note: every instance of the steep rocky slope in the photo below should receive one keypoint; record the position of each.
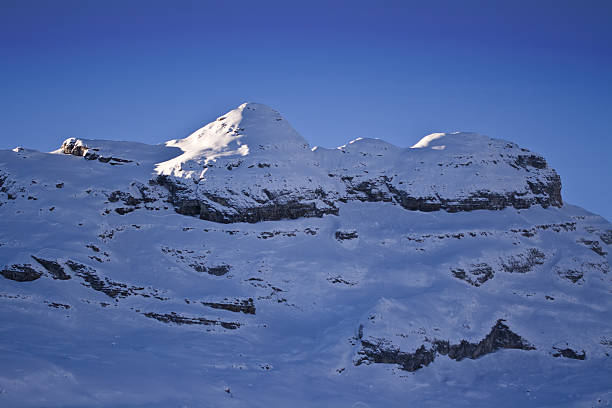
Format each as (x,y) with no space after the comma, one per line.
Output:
(241,267)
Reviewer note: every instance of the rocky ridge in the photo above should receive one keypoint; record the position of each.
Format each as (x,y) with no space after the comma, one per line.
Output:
(250,165)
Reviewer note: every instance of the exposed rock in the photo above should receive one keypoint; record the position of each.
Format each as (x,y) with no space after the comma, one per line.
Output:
(606,341)
(545,194)
(20,273)
(292,204)
(500,337)
(131,202)
(523,263)
(476,275)
(573,275)
(569,353)
(606,237)
(179,319)
(129,199)
(106,286)
(531,160)
(54,268)
(196,262)
(558,227)
(8,186)
(219,270)
(594,246)
(216,208)
(76,147)
(344,235)
(271,234)
(379,353)
(245,306)
(123,211)
(339,279)
(59,305)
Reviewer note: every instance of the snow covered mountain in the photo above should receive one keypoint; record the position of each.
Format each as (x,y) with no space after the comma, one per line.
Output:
(241,267)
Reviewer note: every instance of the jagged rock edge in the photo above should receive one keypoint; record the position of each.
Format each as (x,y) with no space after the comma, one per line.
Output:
(500,337)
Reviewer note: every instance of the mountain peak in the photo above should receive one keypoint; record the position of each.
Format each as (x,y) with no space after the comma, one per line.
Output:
(257,167)
(250,129)
(254,107)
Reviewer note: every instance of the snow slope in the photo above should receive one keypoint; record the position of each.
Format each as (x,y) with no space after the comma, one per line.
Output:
(240,267)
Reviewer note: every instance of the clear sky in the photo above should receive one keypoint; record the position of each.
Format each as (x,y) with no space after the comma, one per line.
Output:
(538,73)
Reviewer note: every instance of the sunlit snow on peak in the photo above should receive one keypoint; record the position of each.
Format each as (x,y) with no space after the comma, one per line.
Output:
(250,129)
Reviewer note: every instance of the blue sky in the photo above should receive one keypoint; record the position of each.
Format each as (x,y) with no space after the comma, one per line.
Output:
(538,73)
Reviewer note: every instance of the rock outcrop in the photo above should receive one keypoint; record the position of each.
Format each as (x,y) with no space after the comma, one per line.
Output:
(180,320)
(53,267)
(223,209)
(500,337)
(20,273)
(76,147)
(568,352)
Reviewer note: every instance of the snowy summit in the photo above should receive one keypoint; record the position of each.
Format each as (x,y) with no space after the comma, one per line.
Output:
(251,129)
